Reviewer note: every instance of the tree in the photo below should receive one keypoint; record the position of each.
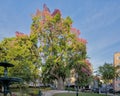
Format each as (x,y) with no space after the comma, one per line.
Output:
(60,46)
(21,52)
(108,72)
(85,74)
(53,46)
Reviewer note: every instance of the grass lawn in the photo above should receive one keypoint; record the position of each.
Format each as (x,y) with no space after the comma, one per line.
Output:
(80,94)
(27,91)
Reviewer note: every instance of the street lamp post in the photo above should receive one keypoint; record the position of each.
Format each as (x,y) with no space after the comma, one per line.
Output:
(76,84)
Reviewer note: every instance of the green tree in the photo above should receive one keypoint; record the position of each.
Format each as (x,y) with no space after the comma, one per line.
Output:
(59,44)
(21,52)
(84,70)
(108,73)
(52,43)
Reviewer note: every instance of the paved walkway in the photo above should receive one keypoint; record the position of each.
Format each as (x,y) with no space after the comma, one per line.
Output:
(52,92)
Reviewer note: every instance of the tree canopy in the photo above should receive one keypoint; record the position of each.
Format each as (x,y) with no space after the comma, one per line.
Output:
(108,72)
(53,46)
(17,50)
(60,45)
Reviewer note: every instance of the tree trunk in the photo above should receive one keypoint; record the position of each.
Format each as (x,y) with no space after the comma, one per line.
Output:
(60,83)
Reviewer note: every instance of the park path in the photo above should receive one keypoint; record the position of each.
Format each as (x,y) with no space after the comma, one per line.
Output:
(52,92)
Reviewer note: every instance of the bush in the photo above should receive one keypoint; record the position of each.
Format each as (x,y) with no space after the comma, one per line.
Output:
(70,88)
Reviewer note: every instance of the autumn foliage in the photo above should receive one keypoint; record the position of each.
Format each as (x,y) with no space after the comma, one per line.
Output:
(20,34)
(58,46)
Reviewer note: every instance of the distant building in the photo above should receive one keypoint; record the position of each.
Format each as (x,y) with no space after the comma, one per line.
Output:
(117,63)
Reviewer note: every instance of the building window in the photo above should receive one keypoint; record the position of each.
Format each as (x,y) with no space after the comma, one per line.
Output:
(118,57)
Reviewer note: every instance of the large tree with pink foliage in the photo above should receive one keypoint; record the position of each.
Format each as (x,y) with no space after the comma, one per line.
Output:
(53,45)
(60,46)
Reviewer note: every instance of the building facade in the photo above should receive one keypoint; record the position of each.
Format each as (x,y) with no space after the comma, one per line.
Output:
(116,62)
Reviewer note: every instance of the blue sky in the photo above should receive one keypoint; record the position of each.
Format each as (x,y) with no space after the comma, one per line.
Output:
(98,21)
